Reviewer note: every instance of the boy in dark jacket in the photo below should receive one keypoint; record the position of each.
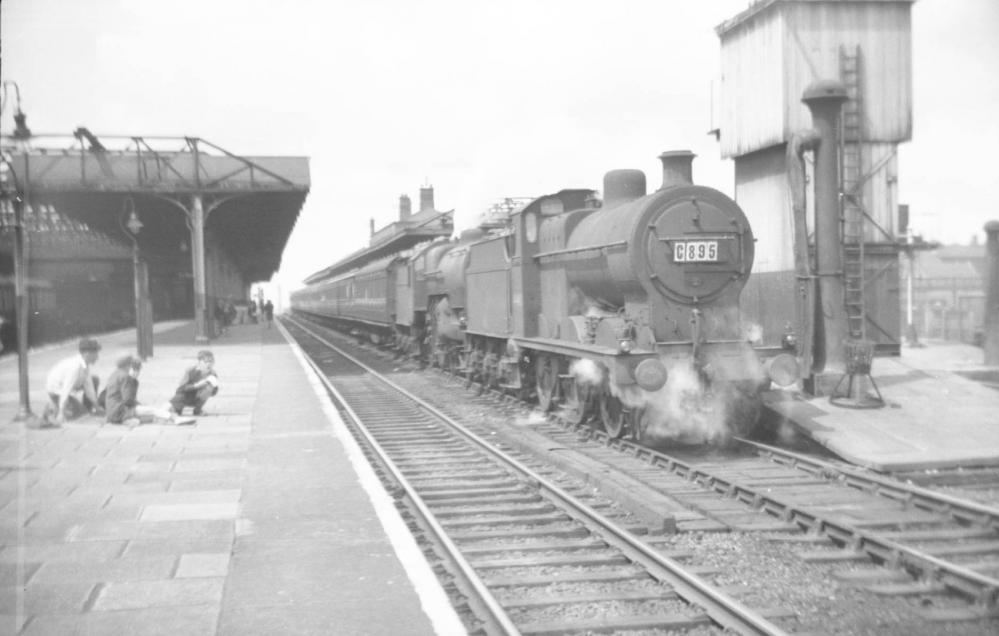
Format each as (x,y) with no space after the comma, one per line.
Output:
(120,398)
(199,383)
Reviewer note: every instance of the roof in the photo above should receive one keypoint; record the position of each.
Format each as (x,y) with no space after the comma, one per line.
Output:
(395,237)
(761,6)
(930,265)
(251,203)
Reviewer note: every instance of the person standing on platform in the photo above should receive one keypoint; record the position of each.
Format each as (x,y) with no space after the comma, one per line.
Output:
(268,313)
(199,383)
(72,385)
(120,398)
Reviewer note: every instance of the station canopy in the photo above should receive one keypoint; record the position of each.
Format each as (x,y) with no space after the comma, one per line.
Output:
(251,204)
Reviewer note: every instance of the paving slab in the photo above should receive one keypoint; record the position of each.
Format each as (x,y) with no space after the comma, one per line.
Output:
(203,565)
(122,569)
(165,593)
(195,620)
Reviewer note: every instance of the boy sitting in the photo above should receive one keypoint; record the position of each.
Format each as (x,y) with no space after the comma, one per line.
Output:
(199,383)
(120,398)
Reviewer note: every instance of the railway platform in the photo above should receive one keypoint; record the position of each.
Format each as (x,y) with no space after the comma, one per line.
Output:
(940,411)
(262,518)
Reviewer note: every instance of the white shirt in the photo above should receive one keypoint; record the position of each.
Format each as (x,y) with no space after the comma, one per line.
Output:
(72,374)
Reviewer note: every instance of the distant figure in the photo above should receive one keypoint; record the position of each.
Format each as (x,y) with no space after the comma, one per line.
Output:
(120,398)
(251,311)
(72,386)
(220,317)
(199,383)
(268,313)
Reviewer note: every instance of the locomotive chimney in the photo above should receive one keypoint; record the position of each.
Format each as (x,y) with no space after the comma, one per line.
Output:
(372,223)
(824,99)
(405,207)
(427,198)
(677,168)
(623,185)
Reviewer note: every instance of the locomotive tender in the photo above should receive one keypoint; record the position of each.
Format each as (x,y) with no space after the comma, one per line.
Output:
(623,314)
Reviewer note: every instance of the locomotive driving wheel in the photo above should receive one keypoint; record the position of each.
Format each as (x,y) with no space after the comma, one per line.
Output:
(615,416)
(546,382)
(579,399)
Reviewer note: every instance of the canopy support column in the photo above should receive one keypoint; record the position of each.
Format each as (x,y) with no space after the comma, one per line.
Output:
(197,217)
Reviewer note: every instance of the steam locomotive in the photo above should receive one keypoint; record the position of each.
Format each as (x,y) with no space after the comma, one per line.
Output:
(623,314)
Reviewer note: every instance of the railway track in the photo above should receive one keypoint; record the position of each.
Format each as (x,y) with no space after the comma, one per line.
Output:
(945,544)
(526,555)
(939,550)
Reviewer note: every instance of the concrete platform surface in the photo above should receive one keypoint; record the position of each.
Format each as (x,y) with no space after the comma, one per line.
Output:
(934,416)
(261,518)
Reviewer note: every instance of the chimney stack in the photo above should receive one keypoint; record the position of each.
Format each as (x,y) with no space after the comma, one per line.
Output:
(677,168)
(405,207)
(372,221)
(427,198)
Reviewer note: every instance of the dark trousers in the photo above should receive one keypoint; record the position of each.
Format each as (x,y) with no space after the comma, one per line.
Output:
(74,407)
(192,397)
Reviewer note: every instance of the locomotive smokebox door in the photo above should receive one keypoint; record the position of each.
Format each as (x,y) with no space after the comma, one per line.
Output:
(697,247)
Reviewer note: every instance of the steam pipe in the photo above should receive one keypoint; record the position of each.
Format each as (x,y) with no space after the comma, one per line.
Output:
(805,307)
(824,99)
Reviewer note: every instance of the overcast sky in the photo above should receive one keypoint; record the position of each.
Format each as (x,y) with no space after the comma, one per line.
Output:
(483,99)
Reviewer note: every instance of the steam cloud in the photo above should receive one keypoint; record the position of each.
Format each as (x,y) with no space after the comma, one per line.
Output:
(684,411)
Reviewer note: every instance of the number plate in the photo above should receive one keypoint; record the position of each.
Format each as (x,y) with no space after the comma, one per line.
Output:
(695,251)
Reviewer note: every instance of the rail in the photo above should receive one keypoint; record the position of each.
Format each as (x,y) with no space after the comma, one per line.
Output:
(721,608)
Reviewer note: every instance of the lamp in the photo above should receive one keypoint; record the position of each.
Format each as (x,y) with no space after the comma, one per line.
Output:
(133,224)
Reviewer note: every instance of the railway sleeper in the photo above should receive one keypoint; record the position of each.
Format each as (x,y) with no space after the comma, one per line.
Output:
(589,543)
(521,533)
(499,486)
(603,597)
(555,517)
(630,573)
(604,625)
(524,498)
(615,558)
(910,588)
(956,614)
(510,511)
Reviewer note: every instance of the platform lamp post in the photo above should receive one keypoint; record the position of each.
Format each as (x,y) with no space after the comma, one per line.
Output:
(11,189)
(131,226)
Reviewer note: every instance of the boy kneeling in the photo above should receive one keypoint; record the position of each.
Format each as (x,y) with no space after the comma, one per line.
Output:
(198,384)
